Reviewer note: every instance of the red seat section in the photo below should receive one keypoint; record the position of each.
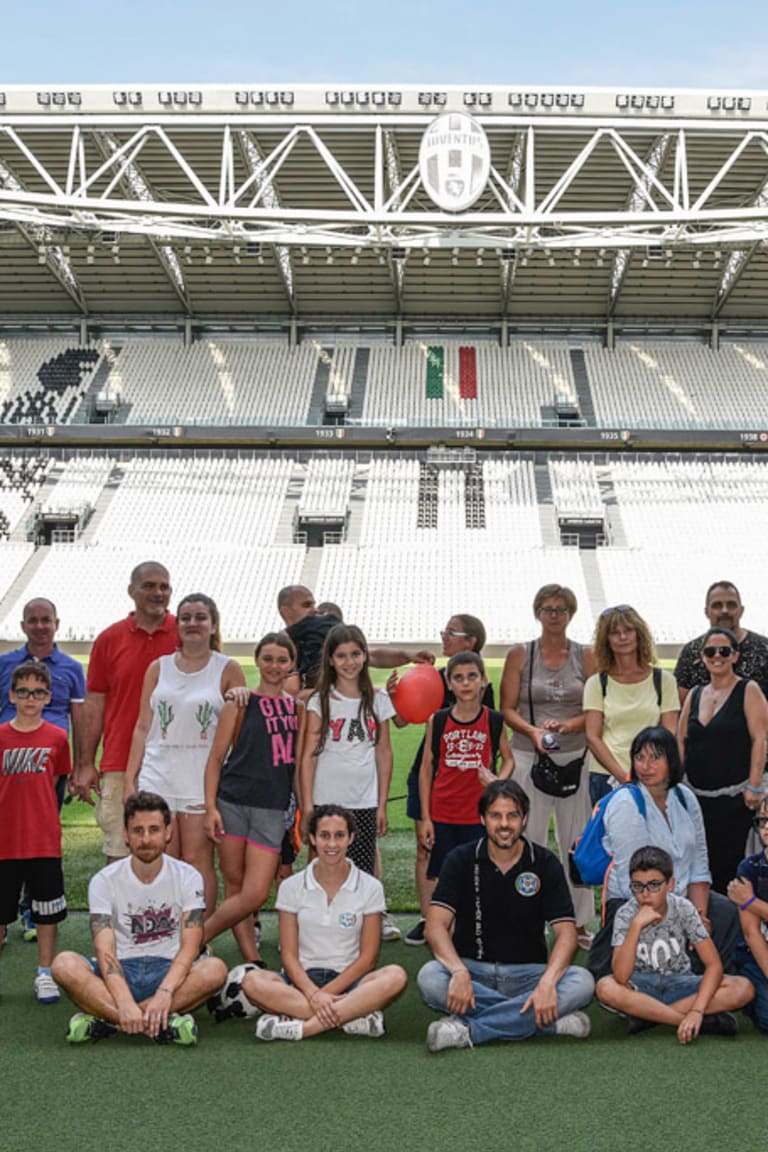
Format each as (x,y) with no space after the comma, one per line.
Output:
(467,374)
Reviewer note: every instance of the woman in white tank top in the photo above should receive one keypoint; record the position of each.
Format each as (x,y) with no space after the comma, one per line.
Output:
(181,700)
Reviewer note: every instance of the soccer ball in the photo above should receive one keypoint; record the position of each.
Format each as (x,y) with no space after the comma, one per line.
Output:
(230,1002)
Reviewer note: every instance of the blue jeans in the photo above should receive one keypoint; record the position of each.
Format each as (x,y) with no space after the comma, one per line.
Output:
(143,974)
(501,990)
(599,786)
(667,988)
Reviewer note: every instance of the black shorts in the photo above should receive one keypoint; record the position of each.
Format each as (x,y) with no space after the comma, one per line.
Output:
(45,882)
(413,801)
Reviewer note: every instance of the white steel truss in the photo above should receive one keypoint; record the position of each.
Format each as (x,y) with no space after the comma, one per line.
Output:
(525,205)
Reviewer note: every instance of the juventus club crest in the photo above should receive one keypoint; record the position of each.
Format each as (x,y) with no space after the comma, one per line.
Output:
(454,161)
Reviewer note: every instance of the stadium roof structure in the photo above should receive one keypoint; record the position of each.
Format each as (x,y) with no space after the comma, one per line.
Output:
(309,205)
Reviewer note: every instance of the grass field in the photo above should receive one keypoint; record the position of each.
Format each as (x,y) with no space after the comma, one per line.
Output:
(338,1092)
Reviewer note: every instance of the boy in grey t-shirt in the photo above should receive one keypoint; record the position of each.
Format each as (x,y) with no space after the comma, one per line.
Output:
(652,981)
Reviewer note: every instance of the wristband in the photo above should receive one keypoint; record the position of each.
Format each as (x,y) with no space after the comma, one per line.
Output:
(747,903)
(699,1010)
(755,791)
(168,990)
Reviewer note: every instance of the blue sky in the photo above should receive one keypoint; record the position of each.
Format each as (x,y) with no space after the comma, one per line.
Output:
(656,42)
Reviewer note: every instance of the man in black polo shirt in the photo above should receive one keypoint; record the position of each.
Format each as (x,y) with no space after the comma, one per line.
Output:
(486,929)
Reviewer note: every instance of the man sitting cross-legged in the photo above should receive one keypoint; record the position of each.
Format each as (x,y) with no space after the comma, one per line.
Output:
(147,915)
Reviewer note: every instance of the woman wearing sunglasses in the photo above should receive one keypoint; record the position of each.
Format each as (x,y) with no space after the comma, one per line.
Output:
(658,809)
(626,694)
(722,741)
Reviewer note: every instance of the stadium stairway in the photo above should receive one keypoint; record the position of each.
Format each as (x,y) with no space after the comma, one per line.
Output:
(550,531)
(582,386)
(100,507)
(25,577)
(359,385)
(320,387)
(310,572)
(356,508)
(617,537)
(286,523)
(593,581)
(87,405)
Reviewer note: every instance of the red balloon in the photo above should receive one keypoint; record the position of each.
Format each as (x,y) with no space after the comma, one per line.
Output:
(419,692)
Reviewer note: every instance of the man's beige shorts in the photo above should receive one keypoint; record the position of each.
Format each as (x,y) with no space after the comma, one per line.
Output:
(109,813)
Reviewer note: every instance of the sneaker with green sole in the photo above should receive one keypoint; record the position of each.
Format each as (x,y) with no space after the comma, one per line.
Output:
(84,1027)
(181,1029)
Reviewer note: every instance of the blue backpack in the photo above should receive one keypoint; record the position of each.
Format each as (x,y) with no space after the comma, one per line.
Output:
(588,860)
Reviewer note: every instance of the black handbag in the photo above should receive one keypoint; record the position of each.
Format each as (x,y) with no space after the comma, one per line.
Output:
(554,779)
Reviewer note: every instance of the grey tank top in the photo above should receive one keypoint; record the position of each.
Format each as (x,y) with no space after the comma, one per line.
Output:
(557,695)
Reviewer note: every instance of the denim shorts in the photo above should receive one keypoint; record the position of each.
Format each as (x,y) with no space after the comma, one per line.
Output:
(667,988)
(320,977)
(143,974)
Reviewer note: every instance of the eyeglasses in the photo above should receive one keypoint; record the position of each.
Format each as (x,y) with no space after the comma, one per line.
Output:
(31,693)
(717,650)
(616,608)
(453,633)
(638,886)
(760,821)
(553,611)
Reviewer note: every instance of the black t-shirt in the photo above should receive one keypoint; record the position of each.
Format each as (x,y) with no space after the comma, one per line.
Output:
(506,924)
(309,636)
(259,770)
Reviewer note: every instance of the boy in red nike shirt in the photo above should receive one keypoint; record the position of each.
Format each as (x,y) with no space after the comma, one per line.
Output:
(32,754)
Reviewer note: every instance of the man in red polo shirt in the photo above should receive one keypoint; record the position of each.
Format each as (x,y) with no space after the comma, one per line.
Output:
(120,656)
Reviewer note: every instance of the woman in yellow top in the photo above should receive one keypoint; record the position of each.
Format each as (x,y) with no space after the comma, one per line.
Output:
(626,693)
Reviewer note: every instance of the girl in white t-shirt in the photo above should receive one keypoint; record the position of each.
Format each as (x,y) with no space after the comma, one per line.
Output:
(347,756)
(330,933)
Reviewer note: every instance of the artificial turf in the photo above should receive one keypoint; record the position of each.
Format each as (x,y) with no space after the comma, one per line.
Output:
(233,1093)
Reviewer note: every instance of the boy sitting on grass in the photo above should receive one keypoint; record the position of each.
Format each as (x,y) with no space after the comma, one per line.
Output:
(652,981)
(750,891)
(32,754)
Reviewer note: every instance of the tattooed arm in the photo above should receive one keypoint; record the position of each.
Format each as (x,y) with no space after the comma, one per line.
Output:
(105,944)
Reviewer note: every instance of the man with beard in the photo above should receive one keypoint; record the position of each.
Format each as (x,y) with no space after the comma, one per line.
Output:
(724,609)
(146,914)
(486,928)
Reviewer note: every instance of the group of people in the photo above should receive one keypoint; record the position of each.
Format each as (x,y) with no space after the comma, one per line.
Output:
(193,764)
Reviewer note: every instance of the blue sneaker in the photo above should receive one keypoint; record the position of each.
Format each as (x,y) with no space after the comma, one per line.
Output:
(28,927)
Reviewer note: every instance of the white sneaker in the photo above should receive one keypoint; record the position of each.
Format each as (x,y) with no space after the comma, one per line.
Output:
(279,1028)
(448,1033)
(46,989)
(574,1024)
(389,930)
(370,1025)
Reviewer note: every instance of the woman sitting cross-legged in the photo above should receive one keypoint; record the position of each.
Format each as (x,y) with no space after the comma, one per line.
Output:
(330,932)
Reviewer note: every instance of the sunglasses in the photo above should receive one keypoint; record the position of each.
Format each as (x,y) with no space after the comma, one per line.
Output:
(451,632)
(616,608)
(717,650)
(31,693)
(638,886)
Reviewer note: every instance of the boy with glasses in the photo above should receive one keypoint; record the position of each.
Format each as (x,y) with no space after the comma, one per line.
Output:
(652,981)
(750,892)
(32,754)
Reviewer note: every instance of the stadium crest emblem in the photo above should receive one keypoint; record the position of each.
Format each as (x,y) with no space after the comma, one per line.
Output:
(527,883)
(454,161)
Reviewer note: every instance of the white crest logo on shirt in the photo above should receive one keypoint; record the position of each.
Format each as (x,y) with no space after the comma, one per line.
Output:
(347,919)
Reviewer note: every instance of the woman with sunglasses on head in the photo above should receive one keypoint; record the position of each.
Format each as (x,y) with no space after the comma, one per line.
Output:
(462,633)
(658,809)
(542,686)
(723,742)
(628,692)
